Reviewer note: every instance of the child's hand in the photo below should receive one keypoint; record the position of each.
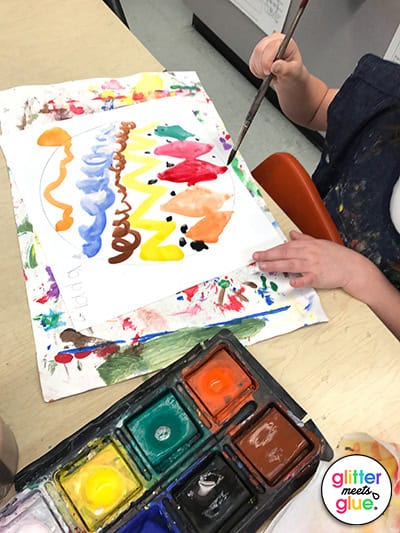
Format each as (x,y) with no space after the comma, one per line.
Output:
(322,265)
(303,97)
(262,59)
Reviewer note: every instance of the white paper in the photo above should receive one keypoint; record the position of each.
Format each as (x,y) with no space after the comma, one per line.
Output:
(269,15)
(393,51)
(95,290)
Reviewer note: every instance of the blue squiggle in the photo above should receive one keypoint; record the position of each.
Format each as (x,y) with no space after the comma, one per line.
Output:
(266,296)
(98,196)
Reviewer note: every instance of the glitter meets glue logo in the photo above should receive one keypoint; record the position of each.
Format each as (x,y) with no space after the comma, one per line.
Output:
(356,489)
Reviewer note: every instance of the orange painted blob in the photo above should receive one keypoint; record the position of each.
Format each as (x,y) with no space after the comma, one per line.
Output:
(209,228)
(221,384)
(54,137)
(196,201)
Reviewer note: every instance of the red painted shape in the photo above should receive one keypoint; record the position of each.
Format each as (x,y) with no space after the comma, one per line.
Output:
(192,171)
(138,97)
(190,292)
(234,303)
(83,354)
(107,350)
(63,358)
(43,299)
(127,324)
(135,340)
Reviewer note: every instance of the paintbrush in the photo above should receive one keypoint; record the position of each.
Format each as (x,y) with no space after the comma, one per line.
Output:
(266,83)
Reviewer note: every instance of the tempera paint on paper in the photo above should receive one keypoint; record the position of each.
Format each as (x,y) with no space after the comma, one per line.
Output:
(254,306)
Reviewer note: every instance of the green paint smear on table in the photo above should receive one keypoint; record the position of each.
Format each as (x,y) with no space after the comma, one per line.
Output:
(164,350)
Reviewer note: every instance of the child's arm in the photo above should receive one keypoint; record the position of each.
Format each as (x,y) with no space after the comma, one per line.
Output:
(327,265)
(303,97)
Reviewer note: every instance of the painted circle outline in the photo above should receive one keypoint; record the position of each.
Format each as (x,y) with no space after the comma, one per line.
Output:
(58,149)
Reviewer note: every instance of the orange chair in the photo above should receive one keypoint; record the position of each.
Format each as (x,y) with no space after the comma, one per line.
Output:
(291,187)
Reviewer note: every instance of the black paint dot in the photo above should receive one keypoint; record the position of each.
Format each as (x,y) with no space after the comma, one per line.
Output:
(182,241)
(148,152)
(172,193)
(199,246)
(213,156)
(149,135)
(169,165)
(168,218)
(197,139)
(184,228)
(152,182)
(168,141)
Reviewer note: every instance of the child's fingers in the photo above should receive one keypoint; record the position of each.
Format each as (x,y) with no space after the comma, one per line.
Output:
(281,68)
(294,266)
(298,236)
(263,55)
(305,280)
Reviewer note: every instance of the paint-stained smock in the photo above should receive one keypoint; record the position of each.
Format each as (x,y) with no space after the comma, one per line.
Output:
(358,175)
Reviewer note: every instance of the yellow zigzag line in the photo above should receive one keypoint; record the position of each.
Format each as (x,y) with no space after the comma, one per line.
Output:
(140,142)
(151,249)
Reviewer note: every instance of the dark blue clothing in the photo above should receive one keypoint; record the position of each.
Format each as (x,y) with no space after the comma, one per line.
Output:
(360,163)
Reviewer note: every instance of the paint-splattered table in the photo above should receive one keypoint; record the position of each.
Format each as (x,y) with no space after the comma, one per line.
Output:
(345,372)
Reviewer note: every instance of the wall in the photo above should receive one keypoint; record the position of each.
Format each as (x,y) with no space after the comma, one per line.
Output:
(332,34)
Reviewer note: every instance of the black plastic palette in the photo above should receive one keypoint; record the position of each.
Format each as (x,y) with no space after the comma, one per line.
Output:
(212,443)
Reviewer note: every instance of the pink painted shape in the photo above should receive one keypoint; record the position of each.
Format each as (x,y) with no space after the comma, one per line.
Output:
(191,170)
(112,84)
(77,110)
(192,310)
(184,149)
(152,318)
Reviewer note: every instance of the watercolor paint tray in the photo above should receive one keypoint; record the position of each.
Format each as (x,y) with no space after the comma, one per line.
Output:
(211,443)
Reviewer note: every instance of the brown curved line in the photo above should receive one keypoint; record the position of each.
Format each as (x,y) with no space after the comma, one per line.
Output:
(124,247)
(120,244)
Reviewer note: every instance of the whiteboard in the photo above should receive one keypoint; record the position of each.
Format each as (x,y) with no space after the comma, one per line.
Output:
(269,15)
